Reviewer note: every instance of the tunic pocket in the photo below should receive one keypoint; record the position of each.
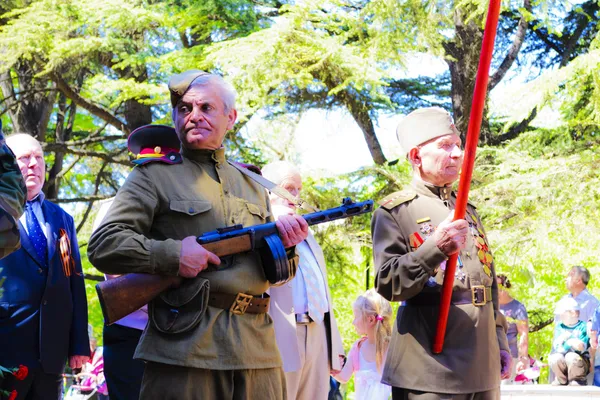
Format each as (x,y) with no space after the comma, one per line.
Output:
(257,211)
(180,310)
(190,207)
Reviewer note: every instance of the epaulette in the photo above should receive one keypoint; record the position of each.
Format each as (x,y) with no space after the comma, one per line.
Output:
(395,199)
(154,143)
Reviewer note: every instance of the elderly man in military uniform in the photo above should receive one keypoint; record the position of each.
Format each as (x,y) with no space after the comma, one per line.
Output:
(13,194)
(413,237)
(194,350)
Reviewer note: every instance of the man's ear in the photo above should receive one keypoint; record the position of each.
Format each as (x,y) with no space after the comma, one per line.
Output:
(414,157)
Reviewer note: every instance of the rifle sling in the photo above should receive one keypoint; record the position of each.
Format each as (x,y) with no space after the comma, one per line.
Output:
(272,187)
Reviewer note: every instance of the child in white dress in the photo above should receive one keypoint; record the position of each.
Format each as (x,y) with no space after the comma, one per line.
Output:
(372,319)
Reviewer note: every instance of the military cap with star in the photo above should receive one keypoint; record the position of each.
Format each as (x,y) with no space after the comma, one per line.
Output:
(154,143)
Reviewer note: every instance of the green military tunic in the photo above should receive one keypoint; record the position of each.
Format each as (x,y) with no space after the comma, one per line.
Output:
(13,194)
(157,207)
(410,268)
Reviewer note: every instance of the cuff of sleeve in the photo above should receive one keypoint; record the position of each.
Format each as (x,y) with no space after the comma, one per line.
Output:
(164,257)
(502,341)
(429,256)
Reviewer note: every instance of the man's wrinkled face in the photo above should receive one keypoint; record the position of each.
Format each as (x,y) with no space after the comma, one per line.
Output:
(200,118)
(30,159)
(439,160)
(291,182)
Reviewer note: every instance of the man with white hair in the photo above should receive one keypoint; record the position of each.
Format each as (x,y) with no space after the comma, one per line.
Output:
(305,326)
(210,338)
(413,237)
(43,312)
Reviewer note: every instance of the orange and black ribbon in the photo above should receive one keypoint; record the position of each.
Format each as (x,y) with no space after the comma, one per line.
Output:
(66,256)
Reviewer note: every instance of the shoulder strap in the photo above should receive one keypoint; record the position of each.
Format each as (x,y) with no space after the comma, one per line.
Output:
(272,187)
(397,198)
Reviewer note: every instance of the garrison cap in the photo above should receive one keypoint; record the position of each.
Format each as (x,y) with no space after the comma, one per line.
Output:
(423,125)
(150,143)
(180,83)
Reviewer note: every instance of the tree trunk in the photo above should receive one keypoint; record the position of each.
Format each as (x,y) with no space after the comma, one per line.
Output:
(462,56)
(360,112)
(29,107)
(63,131)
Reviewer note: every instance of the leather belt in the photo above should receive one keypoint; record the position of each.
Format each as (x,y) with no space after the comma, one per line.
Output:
(240,303)
(478,296)
(303,319)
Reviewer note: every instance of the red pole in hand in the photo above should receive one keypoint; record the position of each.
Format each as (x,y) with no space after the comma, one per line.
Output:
(479,95)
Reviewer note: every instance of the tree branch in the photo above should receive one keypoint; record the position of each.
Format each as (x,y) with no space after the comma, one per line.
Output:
(109,157)
(514,49)
(91,202)
(94,109)
(83,199)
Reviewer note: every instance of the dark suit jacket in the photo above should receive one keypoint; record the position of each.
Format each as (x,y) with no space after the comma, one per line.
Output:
(43,312)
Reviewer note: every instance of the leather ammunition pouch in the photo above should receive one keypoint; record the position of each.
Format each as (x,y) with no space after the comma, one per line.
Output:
(179,310)
(278,268)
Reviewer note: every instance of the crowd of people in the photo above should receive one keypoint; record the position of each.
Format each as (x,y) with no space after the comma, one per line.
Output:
(229,332)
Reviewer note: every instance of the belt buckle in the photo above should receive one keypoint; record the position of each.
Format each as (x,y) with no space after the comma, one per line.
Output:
(240,304)
(478,295)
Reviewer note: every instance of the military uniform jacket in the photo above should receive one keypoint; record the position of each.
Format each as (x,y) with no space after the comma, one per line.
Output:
(13,194)
(157,207)
(408,264)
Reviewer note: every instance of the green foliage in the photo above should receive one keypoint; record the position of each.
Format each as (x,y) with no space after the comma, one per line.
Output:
(538,197)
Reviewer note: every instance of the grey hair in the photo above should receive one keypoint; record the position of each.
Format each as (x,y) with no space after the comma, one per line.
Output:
(227,92)
(277,171)
(583,273)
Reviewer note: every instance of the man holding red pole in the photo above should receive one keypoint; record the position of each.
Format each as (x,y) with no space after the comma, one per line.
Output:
(413,237)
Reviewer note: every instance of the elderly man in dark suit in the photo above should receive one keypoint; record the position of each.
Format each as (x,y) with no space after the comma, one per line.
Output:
(43,312)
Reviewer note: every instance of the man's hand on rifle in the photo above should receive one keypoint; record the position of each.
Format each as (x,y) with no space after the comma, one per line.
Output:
(194,258)
(293,229)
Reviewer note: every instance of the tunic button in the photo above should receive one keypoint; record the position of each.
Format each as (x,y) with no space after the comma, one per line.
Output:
(292,310)
(45,302)
(40,271)
(191,210)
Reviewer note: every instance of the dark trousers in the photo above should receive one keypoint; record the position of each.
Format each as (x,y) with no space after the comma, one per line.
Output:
(407,394)
(37,386)
(123,374)
(171,382)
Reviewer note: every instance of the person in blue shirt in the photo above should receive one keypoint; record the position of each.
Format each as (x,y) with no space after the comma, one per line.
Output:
(595,327)
(569,359)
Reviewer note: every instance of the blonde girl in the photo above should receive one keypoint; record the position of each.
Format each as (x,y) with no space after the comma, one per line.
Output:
(372,320)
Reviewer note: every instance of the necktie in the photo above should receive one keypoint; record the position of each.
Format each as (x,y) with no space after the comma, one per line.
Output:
(35,233)
(317,303)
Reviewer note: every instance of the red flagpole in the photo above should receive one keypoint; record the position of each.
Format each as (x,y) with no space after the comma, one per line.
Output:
(477,106)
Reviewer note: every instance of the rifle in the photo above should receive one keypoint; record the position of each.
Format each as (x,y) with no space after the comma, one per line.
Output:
(127,293)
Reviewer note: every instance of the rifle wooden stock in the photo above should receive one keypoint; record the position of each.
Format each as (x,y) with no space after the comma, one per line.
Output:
(125,294)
